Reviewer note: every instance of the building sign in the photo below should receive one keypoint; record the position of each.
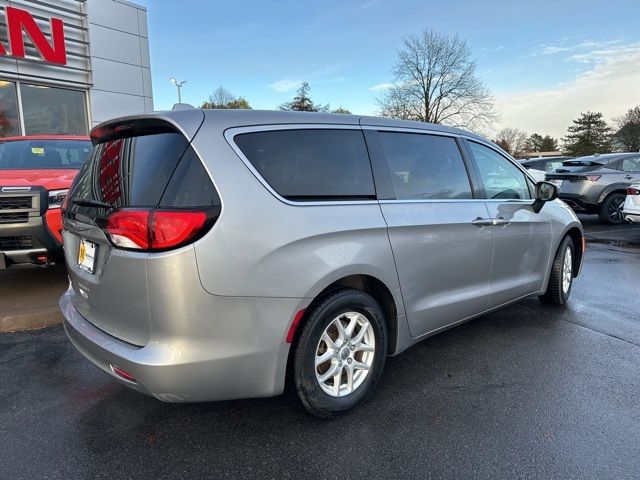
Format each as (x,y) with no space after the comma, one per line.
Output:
(20,22)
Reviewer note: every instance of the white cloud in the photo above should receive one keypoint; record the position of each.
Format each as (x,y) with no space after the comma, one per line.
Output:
(380,87)
(285,85)
(570,47)
(609,85)
(367,5)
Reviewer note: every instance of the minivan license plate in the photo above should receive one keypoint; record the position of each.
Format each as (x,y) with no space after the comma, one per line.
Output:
(87,255)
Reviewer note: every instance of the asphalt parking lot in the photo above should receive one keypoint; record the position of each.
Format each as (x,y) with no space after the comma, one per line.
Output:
(526,392)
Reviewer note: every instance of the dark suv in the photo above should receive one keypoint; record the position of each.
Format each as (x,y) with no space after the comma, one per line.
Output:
(598,183)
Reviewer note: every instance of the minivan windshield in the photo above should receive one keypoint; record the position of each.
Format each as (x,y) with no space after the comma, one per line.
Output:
(43,154)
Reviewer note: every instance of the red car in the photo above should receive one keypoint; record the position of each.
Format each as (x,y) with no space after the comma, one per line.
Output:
(35,174)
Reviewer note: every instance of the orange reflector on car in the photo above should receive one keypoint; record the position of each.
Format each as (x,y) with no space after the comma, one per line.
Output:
(294,325)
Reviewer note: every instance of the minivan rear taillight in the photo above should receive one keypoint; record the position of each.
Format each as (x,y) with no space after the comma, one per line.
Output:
(633,191)
(151,229)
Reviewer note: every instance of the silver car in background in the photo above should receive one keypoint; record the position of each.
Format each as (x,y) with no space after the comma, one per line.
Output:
(597,184)
(225,254)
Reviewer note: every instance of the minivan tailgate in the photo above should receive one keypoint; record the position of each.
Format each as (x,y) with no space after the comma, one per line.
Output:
(114,297)
(129,170)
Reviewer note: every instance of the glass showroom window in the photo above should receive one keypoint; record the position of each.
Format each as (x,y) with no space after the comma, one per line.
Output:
(49,110)
(9,119)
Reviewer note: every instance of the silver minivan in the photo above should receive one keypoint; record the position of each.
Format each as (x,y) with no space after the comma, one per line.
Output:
(217,255)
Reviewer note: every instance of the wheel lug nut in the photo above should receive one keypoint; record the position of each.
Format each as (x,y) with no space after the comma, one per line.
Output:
(353,347)
(349,361)
(339,364)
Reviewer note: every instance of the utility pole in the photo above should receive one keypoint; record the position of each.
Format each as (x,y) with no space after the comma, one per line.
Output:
(178,86)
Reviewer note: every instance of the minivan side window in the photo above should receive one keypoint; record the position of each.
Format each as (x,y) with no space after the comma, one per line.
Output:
(501,179)
(425,166)
(311,164)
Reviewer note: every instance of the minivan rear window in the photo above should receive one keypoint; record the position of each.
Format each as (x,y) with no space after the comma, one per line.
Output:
(311,164)
(146,171)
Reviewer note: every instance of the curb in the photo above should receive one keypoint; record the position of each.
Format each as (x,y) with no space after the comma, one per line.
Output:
(29,321)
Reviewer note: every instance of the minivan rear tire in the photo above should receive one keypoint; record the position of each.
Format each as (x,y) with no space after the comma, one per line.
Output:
(304,373)
(556,293)
(611,209)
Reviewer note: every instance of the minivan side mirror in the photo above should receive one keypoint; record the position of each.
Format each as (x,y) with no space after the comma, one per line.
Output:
(545,192)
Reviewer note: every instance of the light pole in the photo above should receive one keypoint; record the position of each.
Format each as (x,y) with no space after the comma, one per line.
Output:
(178,86)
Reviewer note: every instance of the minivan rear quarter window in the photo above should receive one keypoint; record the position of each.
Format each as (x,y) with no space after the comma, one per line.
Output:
(425,166)
(311,164)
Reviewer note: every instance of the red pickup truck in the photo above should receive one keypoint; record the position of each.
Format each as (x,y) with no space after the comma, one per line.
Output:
(35,174)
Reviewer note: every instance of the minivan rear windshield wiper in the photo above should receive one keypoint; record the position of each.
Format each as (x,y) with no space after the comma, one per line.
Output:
(86,202)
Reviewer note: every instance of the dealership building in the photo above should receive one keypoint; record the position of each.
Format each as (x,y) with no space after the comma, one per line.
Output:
(66,65)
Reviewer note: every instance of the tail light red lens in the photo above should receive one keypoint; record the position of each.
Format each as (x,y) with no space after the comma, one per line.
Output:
(129,229)
(169,229)
(153,229)
(633,191)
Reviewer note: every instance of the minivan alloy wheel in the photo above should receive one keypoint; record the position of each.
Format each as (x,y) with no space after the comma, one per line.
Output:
(567,270)
(345,354)
(340,354)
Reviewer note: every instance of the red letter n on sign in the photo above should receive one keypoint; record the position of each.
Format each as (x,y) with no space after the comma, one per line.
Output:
(19,20)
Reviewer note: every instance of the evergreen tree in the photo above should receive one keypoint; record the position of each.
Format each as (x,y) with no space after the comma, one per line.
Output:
(589,134)
(548,144)
(534,143)
(302,102)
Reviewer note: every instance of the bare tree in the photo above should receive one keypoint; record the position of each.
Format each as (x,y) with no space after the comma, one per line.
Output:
(628,134)
(513,141)
(223,98)
(435,81)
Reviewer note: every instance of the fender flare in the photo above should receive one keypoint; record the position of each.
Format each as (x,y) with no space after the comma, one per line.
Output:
(611,189)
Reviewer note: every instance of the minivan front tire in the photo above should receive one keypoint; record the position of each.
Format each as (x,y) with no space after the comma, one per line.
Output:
(561,276)
(340,353)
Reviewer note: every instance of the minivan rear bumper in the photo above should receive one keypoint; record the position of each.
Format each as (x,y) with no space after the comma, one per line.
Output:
(187,371)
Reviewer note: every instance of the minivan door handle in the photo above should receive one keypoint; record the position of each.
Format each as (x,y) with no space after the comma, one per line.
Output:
(501,221)
(493,222)
(629,177)
(482,222)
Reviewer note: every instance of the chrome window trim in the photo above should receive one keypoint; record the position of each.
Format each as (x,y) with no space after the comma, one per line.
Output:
(230,133)
(528,201)
(411,130)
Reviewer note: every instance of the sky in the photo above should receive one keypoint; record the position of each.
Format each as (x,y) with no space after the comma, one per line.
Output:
(544,61)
